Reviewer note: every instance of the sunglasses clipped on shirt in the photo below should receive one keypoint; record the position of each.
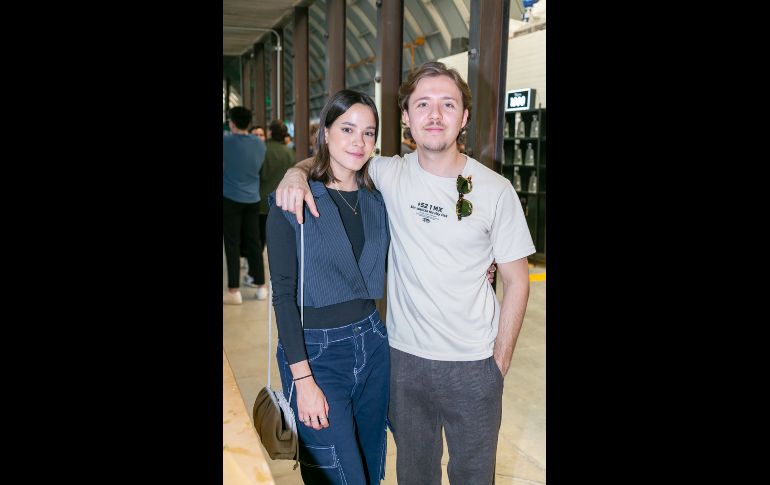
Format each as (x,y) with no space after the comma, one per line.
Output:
(464,208)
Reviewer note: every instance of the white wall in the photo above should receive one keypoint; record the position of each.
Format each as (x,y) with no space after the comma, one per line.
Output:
(459,62)
(526,64)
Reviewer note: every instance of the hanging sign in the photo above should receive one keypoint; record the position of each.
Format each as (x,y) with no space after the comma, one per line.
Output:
(520,99)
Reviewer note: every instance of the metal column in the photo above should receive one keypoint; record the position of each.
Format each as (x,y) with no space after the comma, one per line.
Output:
(335,46)
(276,95)
(390,41)
(487,67)
(246,69)
(301,84)
(259,86)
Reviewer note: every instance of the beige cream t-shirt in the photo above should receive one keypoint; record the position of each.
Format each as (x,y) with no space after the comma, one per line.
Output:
(440,303)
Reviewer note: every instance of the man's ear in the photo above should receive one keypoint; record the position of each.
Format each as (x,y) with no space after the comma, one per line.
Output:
(465,119)
(405,117)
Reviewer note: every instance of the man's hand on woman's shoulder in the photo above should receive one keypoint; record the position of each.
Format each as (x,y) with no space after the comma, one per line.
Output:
(294,191)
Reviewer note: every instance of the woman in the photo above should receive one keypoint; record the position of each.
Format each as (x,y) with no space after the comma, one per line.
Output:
(339,364)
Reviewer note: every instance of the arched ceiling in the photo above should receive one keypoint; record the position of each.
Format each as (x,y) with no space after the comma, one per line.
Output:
(437,21)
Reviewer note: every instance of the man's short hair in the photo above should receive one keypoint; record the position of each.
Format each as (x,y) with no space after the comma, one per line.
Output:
(277,130)
(240,116)
(433,69)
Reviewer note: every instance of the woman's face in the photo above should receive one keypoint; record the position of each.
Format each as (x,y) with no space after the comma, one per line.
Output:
(351,139)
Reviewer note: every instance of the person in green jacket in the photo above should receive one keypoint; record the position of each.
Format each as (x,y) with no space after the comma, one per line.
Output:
(278,159)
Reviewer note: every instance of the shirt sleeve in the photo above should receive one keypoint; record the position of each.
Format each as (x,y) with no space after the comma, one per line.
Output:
(379,167)
(510,235)
(261,150)
(282,259)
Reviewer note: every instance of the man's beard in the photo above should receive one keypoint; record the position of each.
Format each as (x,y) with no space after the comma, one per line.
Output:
(435,146)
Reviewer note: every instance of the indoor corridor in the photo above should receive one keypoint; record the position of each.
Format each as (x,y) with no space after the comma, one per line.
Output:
(521,446)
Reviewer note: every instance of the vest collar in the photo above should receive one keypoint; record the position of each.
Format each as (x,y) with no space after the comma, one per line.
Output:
(318,189)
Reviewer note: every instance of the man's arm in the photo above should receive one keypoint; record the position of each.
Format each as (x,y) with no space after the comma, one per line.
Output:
(294,190)
(515,276)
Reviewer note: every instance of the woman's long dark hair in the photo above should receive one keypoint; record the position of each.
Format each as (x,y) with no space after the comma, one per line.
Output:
(338,104)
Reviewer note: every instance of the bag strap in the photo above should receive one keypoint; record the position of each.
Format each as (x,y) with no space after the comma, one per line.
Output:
(301,306)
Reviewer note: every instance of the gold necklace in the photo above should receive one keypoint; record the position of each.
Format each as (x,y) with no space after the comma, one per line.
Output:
(355,212)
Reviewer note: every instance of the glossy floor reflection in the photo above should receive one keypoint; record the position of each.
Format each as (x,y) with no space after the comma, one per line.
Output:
(521,448)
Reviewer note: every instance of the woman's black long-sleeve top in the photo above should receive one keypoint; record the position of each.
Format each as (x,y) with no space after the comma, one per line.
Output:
(284,271)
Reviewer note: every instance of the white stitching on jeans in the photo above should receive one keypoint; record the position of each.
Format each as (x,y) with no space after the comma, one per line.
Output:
(355,372)
(382,453)
(320,352)
(342,472)
(376,328)
(363,350)
(334,460)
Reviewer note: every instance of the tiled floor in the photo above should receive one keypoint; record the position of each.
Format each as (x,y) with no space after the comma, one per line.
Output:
(243,458)
(521,447)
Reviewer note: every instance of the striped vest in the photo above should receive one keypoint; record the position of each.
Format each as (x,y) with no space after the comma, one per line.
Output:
(332,274)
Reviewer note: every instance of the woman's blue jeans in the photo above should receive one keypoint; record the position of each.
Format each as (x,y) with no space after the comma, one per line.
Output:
(351,365)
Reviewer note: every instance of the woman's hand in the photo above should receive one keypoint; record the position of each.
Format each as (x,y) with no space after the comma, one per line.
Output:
(313,410)
(491,272)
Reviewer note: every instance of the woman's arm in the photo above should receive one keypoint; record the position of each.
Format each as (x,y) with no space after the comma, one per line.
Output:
(282,259)
(312,407)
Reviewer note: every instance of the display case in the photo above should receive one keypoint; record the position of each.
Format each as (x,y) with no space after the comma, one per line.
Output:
(524,164)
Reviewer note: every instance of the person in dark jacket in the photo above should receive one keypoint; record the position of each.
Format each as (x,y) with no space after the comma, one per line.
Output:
(242,156)
(336,370)
(278,159)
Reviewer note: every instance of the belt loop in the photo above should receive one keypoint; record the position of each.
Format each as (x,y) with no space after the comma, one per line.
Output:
(326,339)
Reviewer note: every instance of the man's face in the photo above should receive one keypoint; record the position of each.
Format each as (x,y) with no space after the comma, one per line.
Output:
(435,113)
(259,132)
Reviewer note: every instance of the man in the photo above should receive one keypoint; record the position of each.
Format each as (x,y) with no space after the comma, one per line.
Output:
(242,156)
(451,341)
(288,141)
(258,131)
(278,159)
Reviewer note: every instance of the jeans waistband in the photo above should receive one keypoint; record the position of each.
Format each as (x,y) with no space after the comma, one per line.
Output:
(326,335)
